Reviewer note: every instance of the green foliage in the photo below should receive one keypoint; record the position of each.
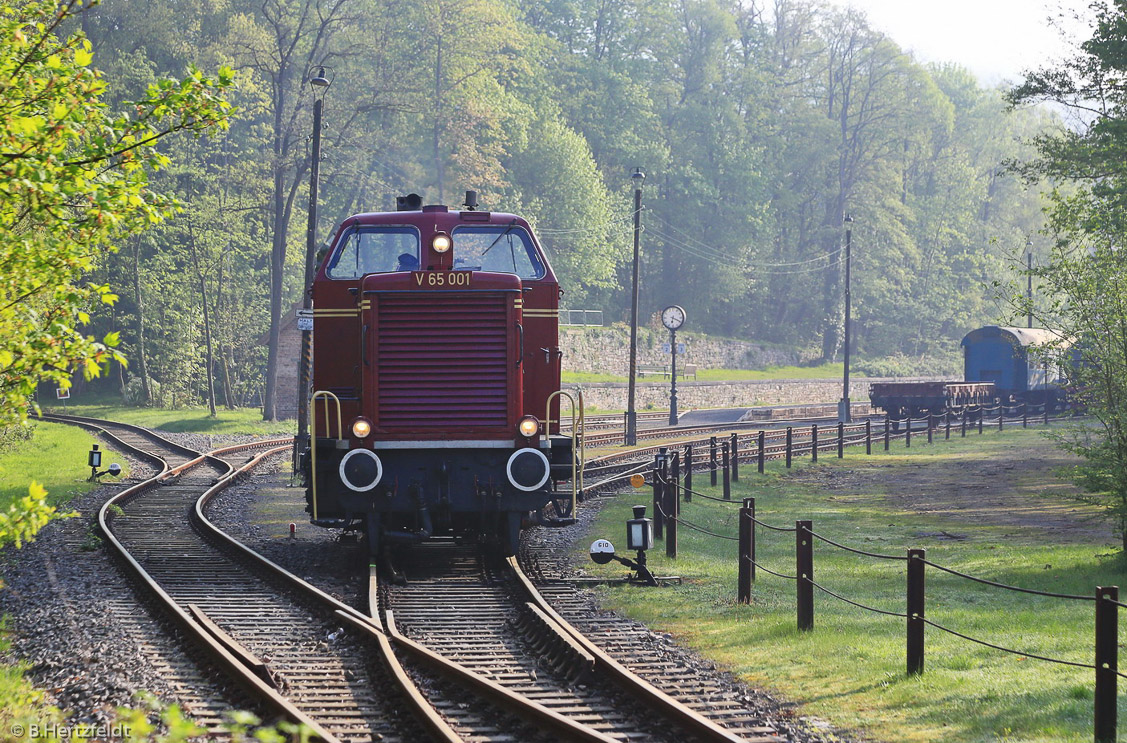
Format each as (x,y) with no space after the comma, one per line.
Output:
(73,180)
(24,518)
(1082,279)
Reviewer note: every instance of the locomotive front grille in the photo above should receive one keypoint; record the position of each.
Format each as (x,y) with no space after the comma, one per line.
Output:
(441,361)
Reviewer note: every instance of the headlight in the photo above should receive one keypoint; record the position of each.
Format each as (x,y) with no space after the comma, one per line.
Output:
(529,426)
(361,427)
(440,242)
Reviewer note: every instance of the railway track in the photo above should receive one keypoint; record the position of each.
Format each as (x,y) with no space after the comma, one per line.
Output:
(531,675)
(278,639)
(482,623)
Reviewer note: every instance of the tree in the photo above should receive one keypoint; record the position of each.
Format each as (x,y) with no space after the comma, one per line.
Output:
(73,182)
(1084,278)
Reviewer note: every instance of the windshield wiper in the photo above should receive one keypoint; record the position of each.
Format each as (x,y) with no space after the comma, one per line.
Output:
(511,225)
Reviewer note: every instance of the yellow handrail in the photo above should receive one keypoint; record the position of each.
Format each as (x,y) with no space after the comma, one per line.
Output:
(576,440)
(313,436)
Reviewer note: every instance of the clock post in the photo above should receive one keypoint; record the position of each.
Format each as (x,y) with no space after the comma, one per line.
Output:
(673,317)
(673,376)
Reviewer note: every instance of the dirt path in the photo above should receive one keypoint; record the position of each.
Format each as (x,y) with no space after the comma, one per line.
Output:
(1020,487)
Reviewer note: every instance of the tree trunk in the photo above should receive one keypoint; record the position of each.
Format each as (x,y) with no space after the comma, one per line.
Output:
(142,367)
(210,364)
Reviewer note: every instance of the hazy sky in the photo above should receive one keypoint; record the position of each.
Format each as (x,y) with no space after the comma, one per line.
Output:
(995,39)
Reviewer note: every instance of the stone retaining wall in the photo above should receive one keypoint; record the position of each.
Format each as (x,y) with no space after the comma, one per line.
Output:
(606,350)
(696,395)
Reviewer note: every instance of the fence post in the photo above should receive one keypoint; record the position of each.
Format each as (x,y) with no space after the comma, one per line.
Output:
(658,494)
(1046,411)
(908,433)
(761,457)
(790,445)
(1107,662)
(813,442)
(712,460)
(964,422)
(1001,416)
(688,473)
(929,428)
(625,428)
(1025,415)
(804,570)
(840,440)
(735,457)
(670,506)
(915,611)
(675,477)
(947,426)
(727,473)
(747,552)
(981,418)
(868,435)
(886,432)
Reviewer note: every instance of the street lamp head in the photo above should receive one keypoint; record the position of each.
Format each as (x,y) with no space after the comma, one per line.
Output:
(848,220)
(319,81)
(638,177)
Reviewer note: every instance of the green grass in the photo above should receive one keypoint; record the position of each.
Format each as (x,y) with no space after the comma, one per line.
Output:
(54,457)
(183,420)
(850,669)
(824,371)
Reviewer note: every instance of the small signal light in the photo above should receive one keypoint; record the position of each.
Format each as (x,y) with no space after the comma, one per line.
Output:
(637,480)
(361,427)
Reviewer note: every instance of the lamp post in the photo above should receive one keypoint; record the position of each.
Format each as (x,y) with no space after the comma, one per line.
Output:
(1029,276)
(320,84)
(631,415)
(845,414)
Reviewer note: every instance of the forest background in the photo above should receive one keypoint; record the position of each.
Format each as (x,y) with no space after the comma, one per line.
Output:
(759,125)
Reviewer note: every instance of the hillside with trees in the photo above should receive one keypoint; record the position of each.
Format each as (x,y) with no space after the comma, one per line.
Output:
(759,126)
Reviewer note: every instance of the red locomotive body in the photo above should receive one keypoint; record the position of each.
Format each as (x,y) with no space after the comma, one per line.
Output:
(436,343)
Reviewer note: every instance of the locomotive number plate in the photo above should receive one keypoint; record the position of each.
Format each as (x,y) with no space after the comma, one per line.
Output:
(441,279)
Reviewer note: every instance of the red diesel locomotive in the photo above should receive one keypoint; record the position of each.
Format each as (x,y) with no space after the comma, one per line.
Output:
(436,377)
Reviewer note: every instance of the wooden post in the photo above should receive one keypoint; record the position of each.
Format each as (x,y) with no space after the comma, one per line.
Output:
(688,473)
(658,497)
(1107,663)
(761,457)
(908,433)
(670,498)
(790,444)
(964,423)
(712,460)
(804,569)
(727,473)
(947,426)
(747,552)
(915,612)
(886,424)
(868,435)
(840,439)
(675,477)
(929,428)
(735,457)
(813,442)
(1025,415)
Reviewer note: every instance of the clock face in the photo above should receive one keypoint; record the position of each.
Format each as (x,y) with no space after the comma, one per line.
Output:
(673,317)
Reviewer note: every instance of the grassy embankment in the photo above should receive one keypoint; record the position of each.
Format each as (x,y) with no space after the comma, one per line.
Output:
(54,457)
(850,669)
(180,420)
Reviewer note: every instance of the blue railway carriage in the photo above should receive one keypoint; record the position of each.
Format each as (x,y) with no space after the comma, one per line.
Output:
(1008,357)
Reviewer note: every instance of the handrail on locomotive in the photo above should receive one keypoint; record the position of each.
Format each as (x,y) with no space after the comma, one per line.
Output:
(326,396)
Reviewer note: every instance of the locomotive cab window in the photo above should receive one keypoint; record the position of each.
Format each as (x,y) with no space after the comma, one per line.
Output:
(498,248)
(368,250)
